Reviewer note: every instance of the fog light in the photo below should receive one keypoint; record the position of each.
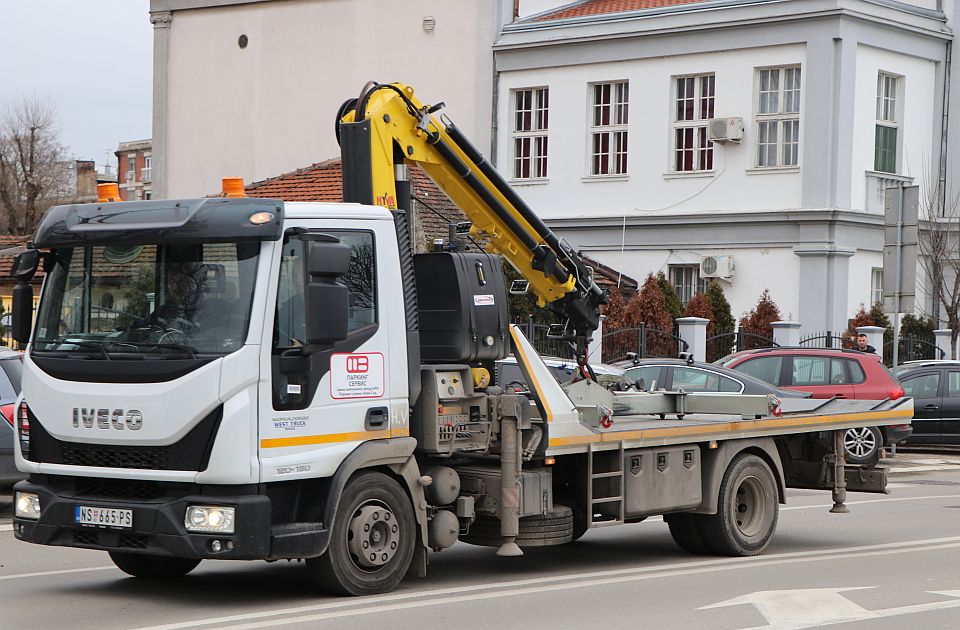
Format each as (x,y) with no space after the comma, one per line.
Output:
(209,518)
(28,505)
(215,546)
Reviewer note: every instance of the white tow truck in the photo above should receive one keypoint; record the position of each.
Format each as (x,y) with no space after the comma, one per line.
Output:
(239,378)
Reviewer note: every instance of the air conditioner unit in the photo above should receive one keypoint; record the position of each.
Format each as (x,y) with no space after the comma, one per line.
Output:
(716,267)
(725,129)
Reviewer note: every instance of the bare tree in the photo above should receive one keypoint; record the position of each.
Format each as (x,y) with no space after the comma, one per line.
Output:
(939,253)
(34,172)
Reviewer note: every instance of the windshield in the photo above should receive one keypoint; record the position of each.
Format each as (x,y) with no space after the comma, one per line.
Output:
(148,299)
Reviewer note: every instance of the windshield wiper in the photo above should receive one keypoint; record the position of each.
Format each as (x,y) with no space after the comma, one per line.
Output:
(101,346)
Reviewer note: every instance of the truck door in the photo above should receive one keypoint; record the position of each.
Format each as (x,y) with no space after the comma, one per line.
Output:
(316,406)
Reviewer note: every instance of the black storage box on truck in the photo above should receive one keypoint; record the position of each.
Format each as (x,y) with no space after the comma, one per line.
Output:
(462,304)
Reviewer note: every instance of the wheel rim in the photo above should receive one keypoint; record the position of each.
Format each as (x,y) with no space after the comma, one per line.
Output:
(859,442)
(750,507)
(373,536)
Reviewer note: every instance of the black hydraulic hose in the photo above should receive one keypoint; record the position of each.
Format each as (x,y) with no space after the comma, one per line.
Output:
(548,235)
(471,180)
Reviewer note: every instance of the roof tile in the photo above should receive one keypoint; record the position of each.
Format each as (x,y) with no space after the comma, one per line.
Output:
(604,7)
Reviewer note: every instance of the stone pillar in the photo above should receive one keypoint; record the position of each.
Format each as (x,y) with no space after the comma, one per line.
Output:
(874,336)
(693,330)
(786,333)
(944,342)
(595,348)
(824,276)
(161,21)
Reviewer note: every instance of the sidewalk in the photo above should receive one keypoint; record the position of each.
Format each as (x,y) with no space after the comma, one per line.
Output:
(907,463)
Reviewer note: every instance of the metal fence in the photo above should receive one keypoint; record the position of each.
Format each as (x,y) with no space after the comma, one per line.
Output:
(643,341)
(913,348)
(826,339)
(722,343)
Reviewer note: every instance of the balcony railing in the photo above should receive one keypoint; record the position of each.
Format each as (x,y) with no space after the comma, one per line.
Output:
(877,185)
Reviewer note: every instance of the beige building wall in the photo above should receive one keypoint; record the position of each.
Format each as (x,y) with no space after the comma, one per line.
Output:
(269,107)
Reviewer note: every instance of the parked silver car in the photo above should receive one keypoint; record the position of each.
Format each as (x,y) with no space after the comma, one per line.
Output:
(10,368)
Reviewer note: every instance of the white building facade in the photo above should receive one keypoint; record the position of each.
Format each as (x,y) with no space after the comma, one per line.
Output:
(838,99)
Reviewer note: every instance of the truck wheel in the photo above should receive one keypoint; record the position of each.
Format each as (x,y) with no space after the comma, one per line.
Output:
(862,445)
(685,529)
(747,509)
(372,540)
(157,567)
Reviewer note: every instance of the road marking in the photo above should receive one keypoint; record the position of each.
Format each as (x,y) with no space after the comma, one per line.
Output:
(59,572)
(816,607)
(864,502)
(384,603)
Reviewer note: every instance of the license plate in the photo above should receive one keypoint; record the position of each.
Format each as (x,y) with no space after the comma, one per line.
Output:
(103,517)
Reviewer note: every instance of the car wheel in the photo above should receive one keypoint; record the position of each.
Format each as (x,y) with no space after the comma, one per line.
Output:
(861,445)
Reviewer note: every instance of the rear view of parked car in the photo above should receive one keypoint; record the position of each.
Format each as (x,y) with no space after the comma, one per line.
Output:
(828,373)
(10,368)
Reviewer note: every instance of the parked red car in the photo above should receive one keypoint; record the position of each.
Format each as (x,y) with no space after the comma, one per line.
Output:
(828,373)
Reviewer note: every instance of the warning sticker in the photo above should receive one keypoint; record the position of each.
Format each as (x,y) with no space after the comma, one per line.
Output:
(483,300)
(356,375)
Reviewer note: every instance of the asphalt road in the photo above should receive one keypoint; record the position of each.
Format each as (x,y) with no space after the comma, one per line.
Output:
(891,563)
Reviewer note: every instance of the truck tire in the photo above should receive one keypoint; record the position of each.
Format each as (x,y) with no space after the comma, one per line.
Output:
(372,539)
(685,530)
(554,528)
(861,445)
(747,509)
(156,567)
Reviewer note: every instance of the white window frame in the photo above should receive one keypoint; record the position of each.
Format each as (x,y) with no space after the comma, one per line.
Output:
(781,119)
(533,165)
(888,113)
(613,133)
(696,127)
(876,285)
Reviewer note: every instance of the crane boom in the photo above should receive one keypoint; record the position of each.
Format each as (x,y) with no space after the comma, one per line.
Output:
(387,126)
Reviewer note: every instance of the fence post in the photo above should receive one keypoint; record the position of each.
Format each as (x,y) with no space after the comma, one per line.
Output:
(693,330)
(642,337)
(942,337)
(530,328)
(874,336)
(786,333)
(595,347)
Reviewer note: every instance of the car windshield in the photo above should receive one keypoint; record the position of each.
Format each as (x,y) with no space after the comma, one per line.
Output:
(147,299)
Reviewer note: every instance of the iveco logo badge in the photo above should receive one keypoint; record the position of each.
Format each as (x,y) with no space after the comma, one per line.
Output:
(107,419)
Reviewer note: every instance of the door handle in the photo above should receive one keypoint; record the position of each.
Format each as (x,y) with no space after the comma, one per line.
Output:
(931,407)
(377,419)
(840,396)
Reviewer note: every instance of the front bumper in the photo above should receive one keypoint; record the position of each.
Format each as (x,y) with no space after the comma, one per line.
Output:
(158,527)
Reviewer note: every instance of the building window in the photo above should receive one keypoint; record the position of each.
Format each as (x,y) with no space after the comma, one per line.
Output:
(687,282)
(131,167)
(146,173)
(778,117)
(608,128)
(876,285)
(694,105)
(531,117)
(885,138)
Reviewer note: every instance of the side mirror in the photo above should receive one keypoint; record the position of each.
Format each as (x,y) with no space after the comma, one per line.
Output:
(22,311)
(326,299)
(25,265)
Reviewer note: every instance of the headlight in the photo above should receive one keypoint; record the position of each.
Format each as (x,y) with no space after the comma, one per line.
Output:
(28,505)
(209,518)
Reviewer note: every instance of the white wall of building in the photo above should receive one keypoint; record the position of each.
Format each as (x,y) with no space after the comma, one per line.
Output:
(650,185)
(270,108)
(917,157)
(752,276)
(861,266)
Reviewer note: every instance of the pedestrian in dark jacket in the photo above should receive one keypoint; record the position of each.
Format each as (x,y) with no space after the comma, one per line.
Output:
(862,344)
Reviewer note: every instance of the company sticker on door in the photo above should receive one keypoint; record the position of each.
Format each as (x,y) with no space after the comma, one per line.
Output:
(356,375)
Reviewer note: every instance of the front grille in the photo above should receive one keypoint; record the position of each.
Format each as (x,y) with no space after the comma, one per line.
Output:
(132,541)
(86,538)
(118,488)
(151,458)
